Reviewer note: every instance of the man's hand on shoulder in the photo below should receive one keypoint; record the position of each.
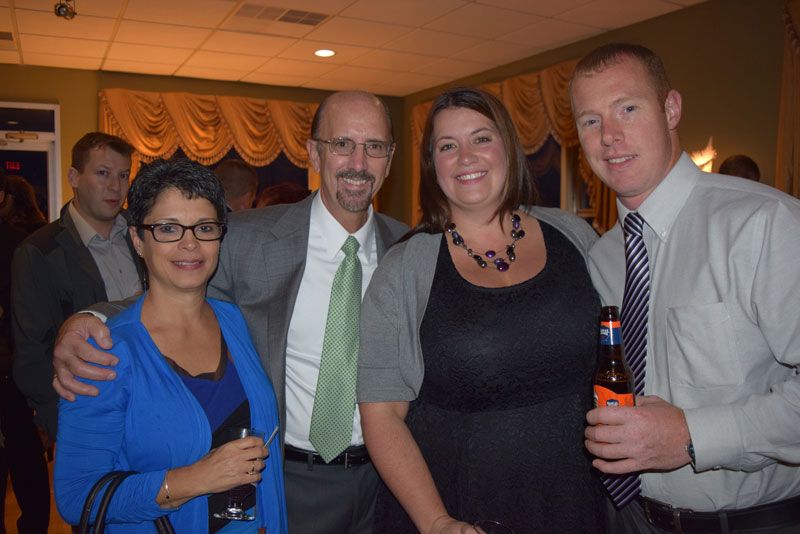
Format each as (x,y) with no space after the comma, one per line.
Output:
(73,356)
(649,436)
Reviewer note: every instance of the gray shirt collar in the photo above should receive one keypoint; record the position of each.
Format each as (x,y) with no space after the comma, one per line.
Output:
(661,208)
(87,233)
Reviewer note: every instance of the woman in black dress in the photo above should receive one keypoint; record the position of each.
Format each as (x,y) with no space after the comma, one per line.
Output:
(478,343)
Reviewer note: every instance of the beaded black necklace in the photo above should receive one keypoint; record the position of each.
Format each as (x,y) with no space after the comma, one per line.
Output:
(500,263)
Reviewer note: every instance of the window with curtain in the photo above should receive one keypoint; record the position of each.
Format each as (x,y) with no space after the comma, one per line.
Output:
(270,135)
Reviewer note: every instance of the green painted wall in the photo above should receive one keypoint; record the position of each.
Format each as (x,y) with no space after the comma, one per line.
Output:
(723,56)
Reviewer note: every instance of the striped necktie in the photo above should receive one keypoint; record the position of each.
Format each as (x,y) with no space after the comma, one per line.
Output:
(335,398)
(635,304)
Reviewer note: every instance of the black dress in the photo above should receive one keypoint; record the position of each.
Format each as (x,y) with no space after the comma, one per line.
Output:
(500,414)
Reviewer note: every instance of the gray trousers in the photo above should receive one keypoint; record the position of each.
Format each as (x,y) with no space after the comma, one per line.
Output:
(329,499)
(631,520)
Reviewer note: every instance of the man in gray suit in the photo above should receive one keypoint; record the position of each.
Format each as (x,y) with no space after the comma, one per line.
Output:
(278,264)
(83,257)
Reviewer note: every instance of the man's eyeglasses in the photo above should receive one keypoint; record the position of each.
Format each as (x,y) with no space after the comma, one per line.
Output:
(343,146)
(171,232)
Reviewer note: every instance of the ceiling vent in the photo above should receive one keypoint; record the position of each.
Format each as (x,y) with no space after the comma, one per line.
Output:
(7,41)
(291,16)
(308,18)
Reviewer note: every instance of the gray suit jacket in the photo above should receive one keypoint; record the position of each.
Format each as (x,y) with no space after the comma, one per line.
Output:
(261,265)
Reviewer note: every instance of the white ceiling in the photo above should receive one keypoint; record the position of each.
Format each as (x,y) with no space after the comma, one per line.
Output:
(390,47)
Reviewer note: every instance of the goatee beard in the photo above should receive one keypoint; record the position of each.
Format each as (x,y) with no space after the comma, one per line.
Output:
(354,201)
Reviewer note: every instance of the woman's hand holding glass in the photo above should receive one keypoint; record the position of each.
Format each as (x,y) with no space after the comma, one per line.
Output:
(237,495)
(228,466)
(234,463)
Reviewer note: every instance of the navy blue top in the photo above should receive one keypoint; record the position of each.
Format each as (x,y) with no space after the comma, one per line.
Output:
(225,404)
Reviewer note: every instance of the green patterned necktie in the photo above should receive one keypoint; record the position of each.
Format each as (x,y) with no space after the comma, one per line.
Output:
(335,399)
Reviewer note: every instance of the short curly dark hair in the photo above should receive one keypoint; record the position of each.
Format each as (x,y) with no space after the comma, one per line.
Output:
(188,177)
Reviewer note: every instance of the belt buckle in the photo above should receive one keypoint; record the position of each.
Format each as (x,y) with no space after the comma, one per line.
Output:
(647,514)
(347,463)
(676,520)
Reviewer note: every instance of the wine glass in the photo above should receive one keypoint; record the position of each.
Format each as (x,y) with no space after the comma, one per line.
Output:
(235,510)
(487,526)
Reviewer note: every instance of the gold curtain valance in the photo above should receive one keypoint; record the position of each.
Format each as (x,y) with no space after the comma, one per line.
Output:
(206,127)
(540,106)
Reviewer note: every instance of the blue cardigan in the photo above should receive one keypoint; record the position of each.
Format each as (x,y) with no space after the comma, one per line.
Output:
(146,420)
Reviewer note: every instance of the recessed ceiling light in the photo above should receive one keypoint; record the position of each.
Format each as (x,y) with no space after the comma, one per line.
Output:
(324,52)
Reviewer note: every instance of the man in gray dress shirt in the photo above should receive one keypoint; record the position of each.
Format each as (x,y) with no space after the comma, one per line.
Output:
(83,257)
(278,264)
(716,436)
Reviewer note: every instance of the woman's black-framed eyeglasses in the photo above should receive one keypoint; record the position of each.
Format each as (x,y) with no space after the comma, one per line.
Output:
(171,232)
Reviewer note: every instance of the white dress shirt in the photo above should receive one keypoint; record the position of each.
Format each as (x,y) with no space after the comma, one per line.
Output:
(307,327)
(723,332)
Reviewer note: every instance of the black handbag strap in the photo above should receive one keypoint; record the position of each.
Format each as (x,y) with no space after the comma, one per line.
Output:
(102,508)
(164,526)
(111,482)
(83,526)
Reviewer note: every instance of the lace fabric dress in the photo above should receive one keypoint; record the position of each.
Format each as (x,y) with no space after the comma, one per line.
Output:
(500,414)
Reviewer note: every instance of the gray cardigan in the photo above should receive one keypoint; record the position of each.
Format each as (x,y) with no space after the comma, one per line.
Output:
(390,364)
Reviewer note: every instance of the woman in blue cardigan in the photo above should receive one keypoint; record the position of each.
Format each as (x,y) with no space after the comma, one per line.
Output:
(187,372)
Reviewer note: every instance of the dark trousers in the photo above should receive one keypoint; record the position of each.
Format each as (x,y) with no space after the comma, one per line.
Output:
(329,499)
(23,457)
(631,520)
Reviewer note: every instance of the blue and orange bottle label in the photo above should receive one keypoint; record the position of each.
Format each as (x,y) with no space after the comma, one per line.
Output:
(610,333)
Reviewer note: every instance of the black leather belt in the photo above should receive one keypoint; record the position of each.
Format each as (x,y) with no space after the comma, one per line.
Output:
(356,455)
(776,514)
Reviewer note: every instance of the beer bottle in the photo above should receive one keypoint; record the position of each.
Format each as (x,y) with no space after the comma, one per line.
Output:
(613,380)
